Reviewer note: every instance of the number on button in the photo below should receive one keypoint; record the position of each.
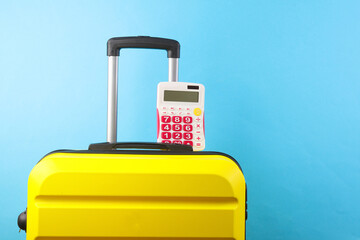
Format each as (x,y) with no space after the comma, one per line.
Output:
(165,127)
(188,128)
(166,141)
(176,127)
(176,135)
(166,135)
(176,119)
(188,136)
(188,143)
(187,119)
(165,119)
(177,142)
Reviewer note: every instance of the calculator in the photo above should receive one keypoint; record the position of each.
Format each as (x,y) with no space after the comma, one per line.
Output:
(180,114)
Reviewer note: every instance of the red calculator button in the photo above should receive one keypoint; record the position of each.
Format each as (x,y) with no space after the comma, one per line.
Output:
(188,143)
(166,141)
(188,128)
(165,135)
(176,119)
(176,135)
(176,127)
(165,119)
(177,142)
(188,136)
(165,127)
(187,119)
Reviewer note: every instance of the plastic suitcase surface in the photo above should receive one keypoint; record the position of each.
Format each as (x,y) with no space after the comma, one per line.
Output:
(162,191)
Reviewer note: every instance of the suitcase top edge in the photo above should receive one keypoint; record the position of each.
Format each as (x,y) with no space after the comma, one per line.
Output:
(144,152)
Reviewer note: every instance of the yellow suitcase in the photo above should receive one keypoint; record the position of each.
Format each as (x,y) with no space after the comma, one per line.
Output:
(123,191)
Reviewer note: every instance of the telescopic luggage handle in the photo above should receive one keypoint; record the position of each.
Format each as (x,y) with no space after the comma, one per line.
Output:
(114,45)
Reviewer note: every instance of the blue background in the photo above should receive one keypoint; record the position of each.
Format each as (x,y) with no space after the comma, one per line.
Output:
(282,97)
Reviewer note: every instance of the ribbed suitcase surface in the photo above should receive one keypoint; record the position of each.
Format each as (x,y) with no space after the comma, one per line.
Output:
(75,195)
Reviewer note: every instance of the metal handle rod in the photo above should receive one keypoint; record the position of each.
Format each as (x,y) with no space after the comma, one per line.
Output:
(112,99)
(173,69)
(113,93)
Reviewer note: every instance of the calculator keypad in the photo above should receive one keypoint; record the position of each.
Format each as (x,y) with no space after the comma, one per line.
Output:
(180,125)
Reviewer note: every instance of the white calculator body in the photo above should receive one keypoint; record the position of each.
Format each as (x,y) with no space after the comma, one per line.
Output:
(180,114)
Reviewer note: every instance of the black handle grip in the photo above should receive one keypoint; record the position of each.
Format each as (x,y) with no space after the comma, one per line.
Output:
(115,44)
(140,145)
(22,220)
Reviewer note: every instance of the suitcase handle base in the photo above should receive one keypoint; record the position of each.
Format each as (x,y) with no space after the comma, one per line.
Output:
(106,146)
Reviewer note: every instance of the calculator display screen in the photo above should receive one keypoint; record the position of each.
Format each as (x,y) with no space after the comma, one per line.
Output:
(180,96)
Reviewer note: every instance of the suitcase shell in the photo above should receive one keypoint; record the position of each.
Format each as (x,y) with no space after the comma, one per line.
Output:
(108,194)
(137,194)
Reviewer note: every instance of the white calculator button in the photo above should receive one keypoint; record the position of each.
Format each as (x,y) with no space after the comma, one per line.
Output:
(198,138)
(198,144)
(172,113)
(198,126)
(172,108)
(164,112)
(197,119)
(164,108)
(180,113)
(198,132)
